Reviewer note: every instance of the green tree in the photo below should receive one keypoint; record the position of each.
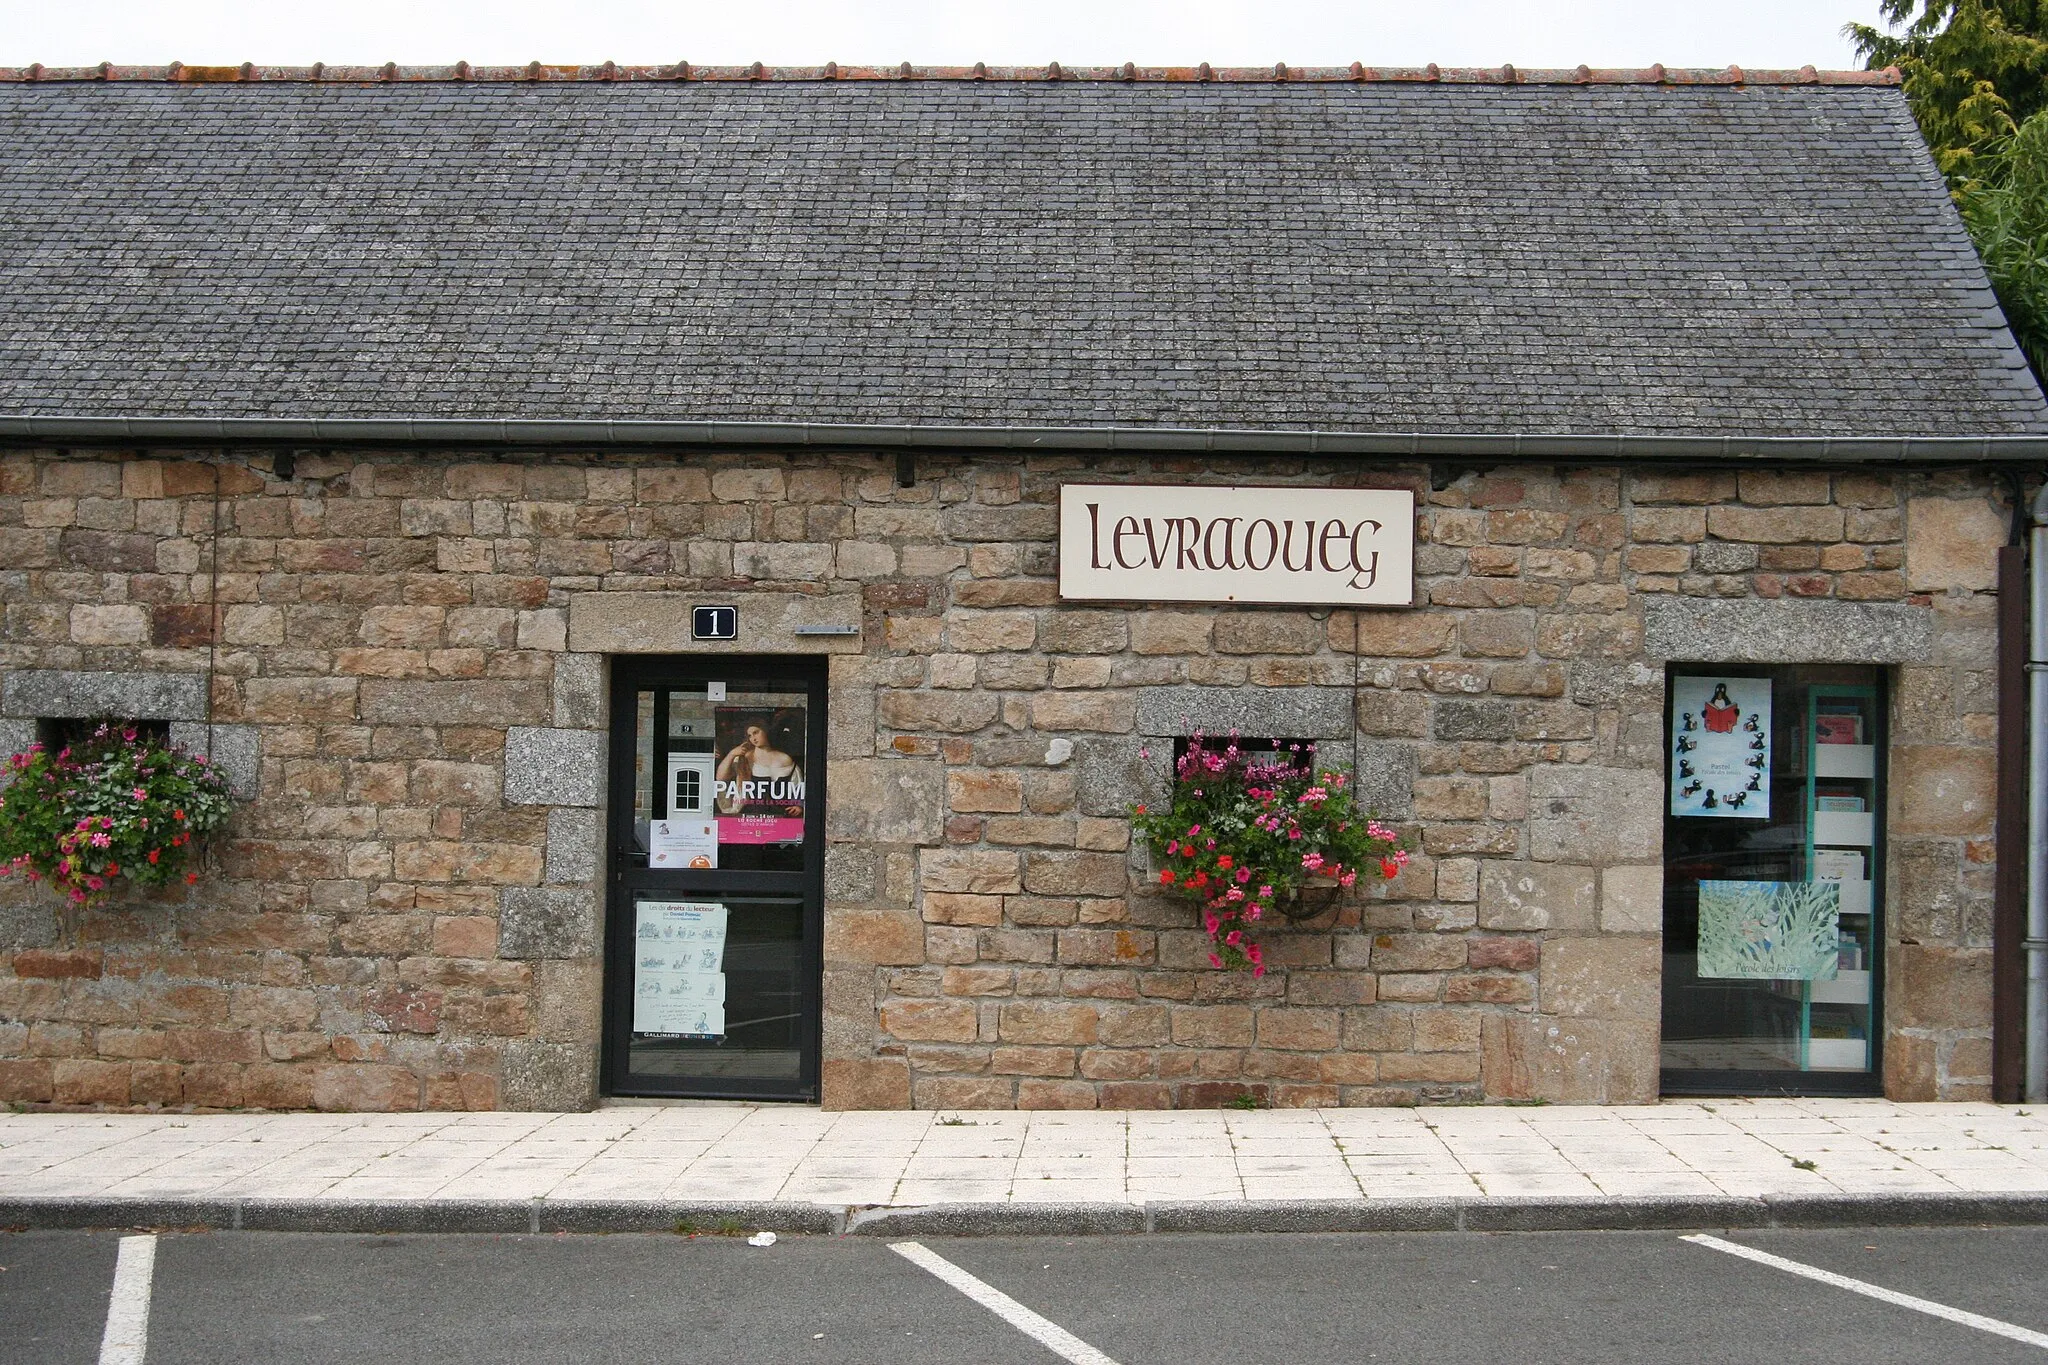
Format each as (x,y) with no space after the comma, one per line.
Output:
(2005,206)
(1973,69)
(1976,73)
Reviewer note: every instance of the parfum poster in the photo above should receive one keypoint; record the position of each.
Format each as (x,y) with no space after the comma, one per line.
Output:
(1721,747)
(759,782)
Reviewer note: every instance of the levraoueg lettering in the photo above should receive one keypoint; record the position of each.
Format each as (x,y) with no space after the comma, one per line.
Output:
(1306,546)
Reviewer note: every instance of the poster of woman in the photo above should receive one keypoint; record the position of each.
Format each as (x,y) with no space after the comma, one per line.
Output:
(759,782)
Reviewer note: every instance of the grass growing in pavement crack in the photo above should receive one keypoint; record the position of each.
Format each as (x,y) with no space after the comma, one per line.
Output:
(1801,1164)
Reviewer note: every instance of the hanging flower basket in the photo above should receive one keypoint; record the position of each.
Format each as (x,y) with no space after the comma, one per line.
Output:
(1251,834)
(1315,897)
(113,807)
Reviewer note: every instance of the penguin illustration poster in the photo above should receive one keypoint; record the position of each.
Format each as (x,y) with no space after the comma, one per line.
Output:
(1721,747)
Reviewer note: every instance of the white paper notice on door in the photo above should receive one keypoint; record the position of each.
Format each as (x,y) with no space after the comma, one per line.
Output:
(688,842)
(679,969)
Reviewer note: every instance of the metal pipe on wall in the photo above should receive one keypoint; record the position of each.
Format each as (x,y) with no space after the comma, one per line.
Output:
(2009,892)
(2037,803)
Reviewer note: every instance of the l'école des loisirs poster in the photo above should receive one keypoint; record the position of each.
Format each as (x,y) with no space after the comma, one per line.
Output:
(1721,747)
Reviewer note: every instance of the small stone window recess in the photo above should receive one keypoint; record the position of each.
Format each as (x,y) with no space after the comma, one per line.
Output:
(55,733)
(59,707)
(1246,744)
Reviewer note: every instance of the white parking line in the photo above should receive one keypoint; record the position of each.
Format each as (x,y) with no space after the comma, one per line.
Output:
(1878,1292)
(1045,1332)
(127,1336)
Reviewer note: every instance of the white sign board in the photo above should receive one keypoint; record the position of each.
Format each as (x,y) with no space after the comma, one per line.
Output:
(1350,547)
(687,843)
(679,968)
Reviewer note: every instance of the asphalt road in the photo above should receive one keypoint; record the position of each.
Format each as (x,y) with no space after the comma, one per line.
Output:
(1530,1298)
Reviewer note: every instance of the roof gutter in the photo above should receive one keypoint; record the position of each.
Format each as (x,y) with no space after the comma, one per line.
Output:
(513,434)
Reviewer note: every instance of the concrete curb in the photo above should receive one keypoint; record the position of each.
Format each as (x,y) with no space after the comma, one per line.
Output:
(421,1215)
(1904,1210)
(1464,1214)
(1304,1215)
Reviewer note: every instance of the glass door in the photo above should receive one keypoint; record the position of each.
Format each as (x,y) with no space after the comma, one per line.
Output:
(1773,872)
(714,962)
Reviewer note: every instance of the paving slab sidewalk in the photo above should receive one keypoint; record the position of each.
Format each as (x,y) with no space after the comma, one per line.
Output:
(628,1166)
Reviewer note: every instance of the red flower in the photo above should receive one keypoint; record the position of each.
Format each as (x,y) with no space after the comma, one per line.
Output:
(155,853)
(1166,877)
(113,869)
(191,877)
(1224,862)
(1389,868)
(177,815)
(1141,810)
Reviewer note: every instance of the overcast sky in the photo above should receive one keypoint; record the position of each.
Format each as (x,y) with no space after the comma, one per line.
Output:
(1533,33)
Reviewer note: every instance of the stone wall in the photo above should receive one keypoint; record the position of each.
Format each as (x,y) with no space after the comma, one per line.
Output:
(408,657)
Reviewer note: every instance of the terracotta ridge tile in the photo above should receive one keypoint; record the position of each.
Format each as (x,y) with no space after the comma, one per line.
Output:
(538,72)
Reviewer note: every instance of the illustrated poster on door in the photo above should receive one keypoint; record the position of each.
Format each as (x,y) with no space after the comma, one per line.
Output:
(1721,747)
(679,969)
(760,775)
(1770,931)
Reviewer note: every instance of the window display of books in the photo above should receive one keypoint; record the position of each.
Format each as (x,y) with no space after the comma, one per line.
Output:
(1837,727)
(1842,800)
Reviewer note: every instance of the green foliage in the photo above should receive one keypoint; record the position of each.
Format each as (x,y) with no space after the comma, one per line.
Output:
(111,807)
(1973,69)
(2005,207)
(1976,72)
(1244,831)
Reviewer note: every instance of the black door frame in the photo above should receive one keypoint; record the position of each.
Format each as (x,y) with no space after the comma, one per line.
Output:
(628,876)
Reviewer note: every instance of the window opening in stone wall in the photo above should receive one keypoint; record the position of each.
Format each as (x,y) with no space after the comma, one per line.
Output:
(1249,744)
(1773,876)
(62,732)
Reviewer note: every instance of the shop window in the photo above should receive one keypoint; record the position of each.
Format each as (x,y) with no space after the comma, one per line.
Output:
(1773,876)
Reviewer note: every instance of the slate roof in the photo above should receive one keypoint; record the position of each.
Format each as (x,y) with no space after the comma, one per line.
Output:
(1342,255)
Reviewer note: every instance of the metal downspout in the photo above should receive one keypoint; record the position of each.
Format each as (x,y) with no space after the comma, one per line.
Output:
(2037,803)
